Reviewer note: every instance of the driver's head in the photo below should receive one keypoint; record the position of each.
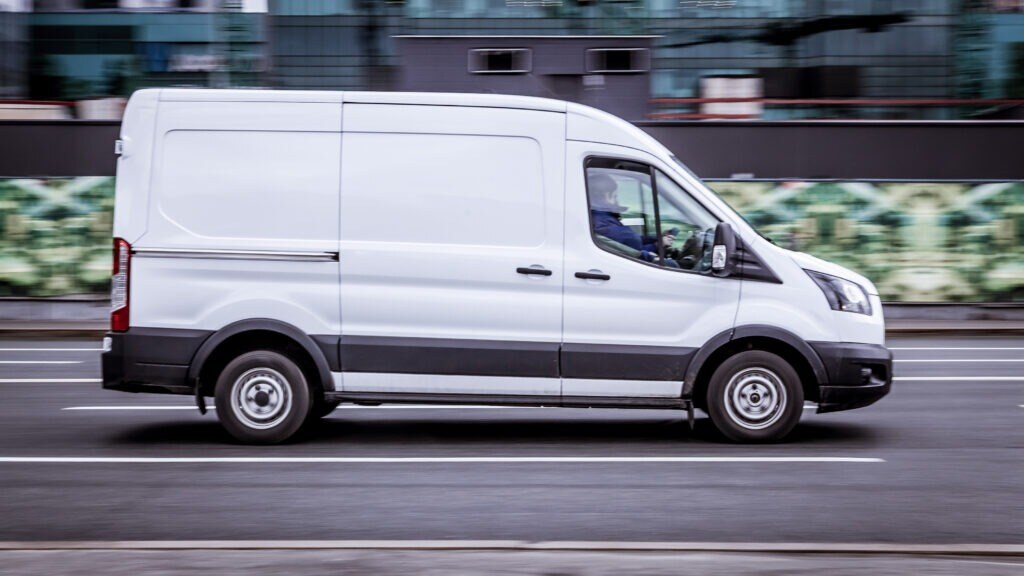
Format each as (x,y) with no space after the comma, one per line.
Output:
(602,191)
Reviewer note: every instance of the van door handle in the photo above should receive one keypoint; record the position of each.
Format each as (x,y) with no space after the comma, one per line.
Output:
(592,276)
(534,271)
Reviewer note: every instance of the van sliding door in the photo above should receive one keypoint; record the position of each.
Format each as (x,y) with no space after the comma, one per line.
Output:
(451,250)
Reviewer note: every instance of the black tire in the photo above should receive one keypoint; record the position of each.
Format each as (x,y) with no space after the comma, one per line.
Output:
(262,397)
(755,396)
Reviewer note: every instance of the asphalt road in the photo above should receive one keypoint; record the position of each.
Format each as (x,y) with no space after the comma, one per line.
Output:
(938,461)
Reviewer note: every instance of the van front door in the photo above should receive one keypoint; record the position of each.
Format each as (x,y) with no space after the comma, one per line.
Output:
(639,296)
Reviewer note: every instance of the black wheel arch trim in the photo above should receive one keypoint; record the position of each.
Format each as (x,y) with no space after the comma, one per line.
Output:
(315,346)
(753,331)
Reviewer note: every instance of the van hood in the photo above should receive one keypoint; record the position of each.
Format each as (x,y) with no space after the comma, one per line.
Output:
(808,262)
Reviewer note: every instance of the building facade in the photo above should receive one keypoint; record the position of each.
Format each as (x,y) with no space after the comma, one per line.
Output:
(797,49)
(915,51)
(83,49)
(13,49)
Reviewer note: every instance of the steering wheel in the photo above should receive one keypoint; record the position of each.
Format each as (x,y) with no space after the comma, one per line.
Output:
(696,251)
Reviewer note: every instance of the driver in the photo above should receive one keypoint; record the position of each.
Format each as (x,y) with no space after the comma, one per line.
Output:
(606,218)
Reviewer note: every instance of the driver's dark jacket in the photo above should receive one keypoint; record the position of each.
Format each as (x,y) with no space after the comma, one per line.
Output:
(609,225)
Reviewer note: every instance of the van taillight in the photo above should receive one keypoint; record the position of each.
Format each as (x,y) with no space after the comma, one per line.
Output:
(119,286)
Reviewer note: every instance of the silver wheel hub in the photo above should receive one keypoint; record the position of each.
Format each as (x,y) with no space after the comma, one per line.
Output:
(261,398)
(755,398)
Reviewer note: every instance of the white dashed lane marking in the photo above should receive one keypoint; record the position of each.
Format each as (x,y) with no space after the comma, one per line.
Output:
(930,360)
(40,361)
(50,380)
(436,460)
(51,349)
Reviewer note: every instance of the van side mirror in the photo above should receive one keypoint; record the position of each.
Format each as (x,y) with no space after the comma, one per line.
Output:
(723,254)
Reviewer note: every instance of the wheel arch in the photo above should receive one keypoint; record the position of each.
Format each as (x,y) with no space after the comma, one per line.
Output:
(781,342)
(252,334)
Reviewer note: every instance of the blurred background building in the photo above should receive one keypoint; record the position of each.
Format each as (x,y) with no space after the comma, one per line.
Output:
(81,49)
(13,54)
(916,59)
(923,51)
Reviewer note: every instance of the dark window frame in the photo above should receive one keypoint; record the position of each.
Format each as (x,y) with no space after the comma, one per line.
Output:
(481,53)
(596,60)
(652,173)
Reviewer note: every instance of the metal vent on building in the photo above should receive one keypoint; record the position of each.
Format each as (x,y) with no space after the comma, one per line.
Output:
(618,60)
(500,60)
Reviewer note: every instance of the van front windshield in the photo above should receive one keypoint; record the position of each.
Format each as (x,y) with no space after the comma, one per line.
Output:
(686,170)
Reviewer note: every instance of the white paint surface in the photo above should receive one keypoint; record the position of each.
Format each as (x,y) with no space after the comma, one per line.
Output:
(40,361)
(51,349)
(50,380)
(433,460)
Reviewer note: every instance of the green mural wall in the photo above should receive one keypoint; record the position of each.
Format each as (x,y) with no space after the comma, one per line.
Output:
(919,242)
(55,236)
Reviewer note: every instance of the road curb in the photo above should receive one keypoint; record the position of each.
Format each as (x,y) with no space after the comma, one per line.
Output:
(527,546)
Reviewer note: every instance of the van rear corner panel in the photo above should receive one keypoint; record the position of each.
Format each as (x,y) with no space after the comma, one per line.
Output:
(134,165)
(242,217)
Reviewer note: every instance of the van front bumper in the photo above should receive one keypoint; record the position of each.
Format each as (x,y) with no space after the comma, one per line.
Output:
(858,374)
(153,360)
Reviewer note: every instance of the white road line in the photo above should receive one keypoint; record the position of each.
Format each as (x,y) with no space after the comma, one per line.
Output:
(51,349)
(40,361)
(429,460)
(943,348)
(961,550)
(136,408)
(956,549)
(892,348)
(959,378)
(50,380)
(438,406)
(346,407)
(961,360)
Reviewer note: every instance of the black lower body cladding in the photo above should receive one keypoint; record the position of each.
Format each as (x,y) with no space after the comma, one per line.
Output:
(858,374)
(159,360)
(152,360)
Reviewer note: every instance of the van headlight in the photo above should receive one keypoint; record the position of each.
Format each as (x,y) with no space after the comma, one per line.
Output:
(842,294)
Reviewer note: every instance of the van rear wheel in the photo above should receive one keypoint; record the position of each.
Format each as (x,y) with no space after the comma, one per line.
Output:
(755,396)
(262,397)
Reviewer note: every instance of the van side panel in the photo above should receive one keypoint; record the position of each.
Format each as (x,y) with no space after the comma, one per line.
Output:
(242,218)
(134,165)
(440,209)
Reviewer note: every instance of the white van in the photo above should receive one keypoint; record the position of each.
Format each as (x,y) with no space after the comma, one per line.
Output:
(283,252)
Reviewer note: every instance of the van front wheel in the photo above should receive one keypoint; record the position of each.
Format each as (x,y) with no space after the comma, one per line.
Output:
(755,396)
(262,397)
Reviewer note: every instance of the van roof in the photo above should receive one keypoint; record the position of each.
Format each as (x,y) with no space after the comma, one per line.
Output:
(425,98)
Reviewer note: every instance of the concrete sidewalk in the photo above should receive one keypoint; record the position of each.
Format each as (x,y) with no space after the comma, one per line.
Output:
(471,562)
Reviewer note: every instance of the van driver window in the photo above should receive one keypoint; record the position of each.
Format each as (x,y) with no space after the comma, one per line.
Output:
(669,229)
